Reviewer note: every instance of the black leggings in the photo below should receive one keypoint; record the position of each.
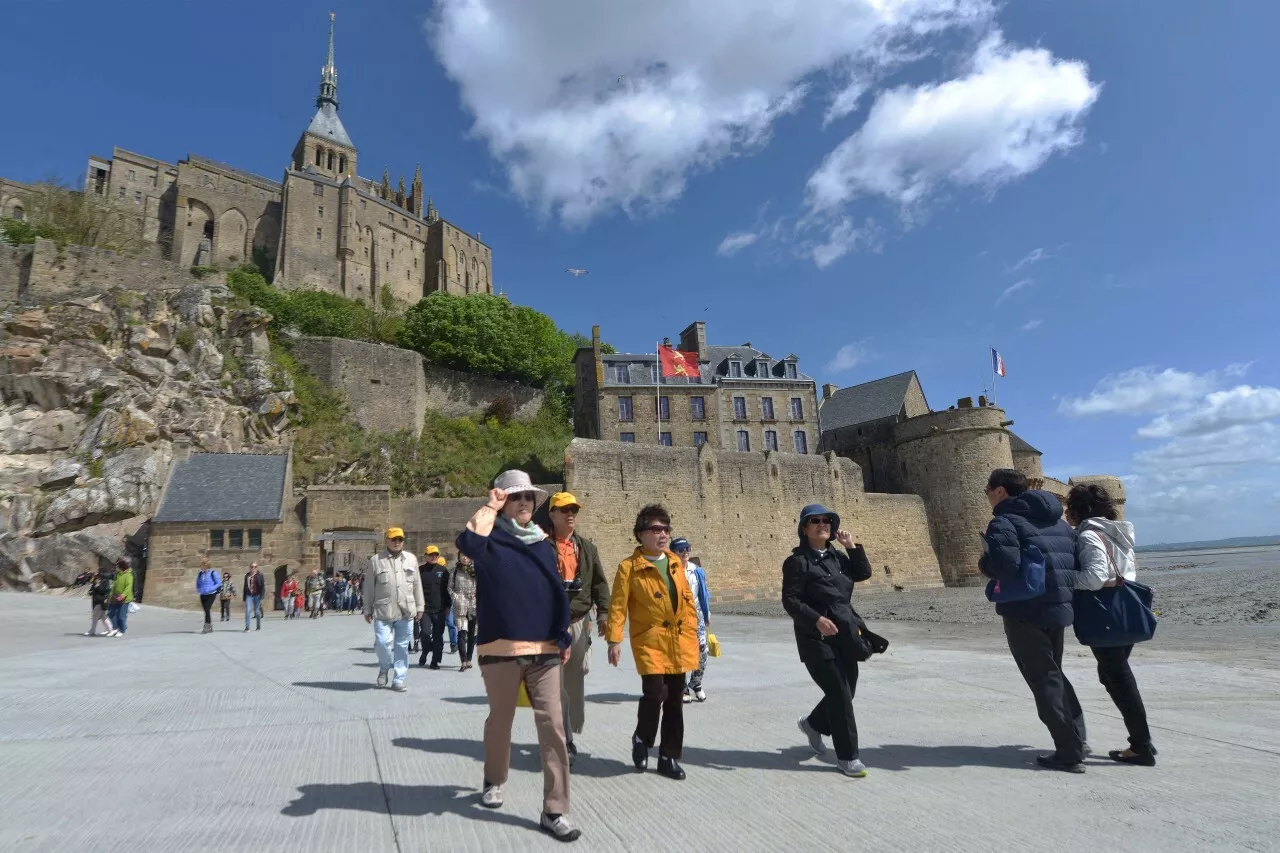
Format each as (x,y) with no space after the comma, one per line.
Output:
(206,601)
(1115,675)
(466,645)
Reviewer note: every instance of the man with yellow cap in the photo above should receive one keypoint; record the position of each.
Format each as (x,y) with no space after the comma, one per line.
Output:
(587,587)
(450,622)
(435,591)
(392,600)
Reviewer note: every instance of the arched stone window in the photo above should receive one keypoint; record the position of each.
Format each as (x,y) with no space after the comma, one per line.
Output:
(330,159)
(319,156)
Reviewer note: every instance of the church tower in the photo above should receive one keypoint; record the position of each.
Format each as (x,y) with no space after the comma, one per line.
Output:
(325,148)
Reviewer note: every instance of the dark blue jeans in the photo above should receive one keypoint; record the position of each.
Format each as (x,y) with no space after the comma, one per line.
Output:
(118,613)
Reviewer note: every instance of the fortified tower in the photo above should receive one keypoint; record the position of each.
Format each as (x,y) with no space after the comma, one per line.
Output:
(946,457)
(1114,487)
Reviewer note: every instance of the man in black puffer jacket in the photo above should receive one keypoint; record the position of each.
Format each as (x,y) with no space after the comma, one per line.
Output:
(1034,628)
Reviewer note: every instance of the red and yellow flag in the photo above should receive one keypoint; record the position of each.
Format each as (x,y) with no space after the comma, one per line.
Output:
(677,363)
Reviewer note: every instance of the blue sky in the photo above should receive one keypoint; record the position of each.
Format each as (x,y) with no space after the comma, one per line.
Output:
(1089,186)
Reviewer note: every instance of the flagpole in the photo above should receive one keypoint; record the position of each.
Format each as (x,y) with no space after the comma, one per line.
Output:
(657,390)
(995,396)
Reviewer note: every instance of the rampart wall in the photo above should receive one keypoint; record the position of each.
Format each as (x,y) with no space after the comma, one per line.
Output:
(46,272)
(740,511)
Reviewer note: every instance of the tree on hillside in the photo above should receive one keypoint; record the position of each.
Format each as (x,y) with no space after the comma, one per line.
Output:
(68,216)
(490,336)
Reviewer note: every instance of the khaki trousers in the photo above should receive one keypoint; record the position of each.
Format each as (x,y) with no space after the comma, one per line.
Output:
(541,678)
(573,678)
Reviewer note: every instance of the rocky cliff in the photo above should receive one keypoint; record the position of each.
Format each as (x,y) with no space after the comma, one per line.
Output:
(96,394)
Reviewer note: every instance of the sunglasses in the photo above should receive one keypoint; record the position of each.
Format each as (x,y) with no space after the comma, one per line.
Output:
(822,519)
(656,528)
(396,539)
(523,496)
(572,510)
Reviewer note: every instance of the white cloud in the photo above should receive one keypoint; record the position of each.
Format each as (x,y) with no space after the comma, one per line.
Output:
(735,243)
(1032,325)
(1014,109)
(592,107)
(1140,391)
(1014,288)
(843,237)
(1219,410)
(1242,444)
(849,356)
(1035,256)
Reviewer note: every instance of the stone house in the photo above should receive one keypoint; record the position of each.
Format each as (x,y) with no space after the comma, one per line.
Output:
(858,421)
(743,399)
(235,509)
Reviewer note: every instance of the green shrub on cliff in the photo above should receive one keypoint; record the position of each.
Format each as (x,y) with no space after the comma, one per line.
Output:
(314,312)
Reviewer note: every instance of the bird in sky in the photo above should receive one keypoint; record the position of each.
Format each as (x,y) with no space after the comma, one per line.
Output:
(575,272)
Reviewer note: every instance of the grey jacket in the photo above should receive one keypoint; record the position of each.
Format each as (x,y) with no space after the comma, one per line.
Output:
(392,588)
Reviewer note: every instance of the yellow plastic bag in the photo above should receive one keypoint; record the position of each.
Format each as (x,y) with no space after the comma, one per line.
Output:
(522,699)
(713,646)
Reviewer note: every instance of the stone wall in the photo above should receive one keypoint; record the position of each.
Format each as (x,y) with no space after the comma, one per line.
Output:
(175,550)
(54,273)
(347,507)
(391,389)
(740,511)
(946,458)
(438,521)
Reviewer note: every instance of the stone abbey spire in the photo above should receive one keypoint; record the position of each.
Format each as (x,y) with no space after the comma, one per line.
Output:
(329,75)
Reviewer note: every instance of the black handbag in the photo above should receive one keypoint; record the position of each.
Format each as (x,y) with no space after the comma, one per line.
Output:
(866,643)
(1117,615)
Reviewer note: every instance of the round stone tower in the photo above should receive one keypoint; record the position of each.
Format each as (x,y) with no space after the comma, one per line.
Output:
(945,458)
(1113,485)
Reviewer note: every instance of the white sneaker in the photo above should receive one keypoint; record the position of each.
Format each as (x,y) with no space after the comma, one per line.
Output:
(687,698)
(492,796)
(854,768)
(815,739)
(559,827)
(382,677)
(90,634)
(700,695)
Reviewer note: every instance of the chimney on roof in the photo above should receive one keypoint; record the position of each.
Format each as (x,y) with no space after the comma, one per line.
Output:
(828,391)
(965,403)
(748,345)
(694,339)
(982,401)
(666,342)
(181,450)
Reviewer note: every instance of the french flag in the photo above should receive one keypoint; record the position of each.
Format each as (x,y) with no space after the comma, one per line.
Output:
(997,364)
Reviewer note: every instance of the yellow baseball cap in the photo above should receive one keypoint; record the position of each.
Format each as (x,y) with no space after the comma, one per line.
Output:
(563,499)
(395,533)
(431,549)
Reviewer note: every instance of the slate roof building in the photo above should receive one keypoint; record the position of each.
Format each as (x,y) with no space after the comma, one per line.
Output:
(234,508)
(744,399)
(858,422)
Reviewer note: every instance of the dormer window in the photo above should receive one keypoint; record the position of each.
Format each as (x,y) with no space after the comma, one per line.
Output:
(735,370)
(791,370)
(762,368)
(621,374)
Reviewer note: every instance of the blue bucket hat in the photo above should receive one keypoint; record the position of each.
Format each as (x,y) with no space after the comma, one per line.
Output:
(817,509)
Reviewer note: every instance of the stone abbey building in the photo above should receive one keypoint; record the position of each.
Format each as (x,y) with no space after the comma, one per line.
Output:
(320,227)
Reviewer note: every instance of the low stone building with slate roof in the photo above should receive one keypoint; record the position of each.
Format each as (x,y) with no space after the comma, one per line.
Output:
(234,508)
(858,421)
(743,400)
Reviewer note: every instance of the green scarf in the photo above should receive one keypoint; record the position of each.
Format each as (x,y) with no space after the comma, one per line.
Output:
(528,534)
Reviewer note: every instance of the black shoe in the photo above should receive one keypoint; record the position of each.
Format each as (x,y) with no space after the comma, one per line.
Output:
(639,755)
(434,665)
(453,648)
(1142,759)
(422,661)
(670,768)
(573,752)
(1053,762)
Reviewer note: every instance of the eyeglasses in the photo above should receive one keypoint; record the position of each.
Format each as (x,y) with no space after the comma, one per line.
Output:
(656,528)
(821,519)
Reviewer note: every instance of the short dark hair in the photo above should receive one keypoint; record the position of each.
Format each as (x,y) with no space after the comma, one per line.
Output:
(650,514)
(1090,501)
(1014,482)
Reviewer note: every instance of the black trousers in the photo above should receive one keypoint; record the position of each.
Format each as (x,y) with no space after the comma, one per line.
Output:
(437,620)
(833,716)
(1038,652)
(1115,675)
(206,601)
(661,699)
(226,609)
(466,645)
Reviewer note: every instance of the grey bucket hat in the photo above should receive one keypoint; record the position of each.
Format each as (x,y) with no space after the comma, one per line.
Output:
(515,481)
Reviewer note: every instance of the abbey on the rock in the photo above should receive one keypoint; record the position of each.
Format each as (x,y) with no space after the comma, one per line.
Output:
(323,227)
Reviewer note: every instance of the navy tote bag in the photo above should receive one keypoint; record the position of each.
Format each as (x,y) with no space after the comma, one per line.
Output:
(1117,615)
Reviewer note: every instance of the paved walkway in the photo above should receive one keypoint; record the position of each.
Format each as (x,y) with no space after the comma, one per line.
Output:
(167,740)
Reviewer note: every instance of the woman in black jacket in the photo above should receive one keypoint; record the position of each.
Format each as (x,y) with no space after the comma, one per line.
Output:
(817,586)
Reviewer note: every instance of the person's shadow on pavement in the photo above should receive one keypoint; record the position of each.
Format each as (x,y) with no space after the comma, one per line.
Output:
(340,686)
(397,800)
(524,757)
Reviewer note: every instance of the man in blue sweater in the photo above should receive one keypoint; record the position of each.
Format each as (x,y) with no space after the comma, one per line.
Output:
(1034,627)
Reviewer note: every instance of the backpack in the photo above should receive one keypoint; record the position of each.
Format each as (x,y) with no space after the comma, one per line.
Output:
(1027,584)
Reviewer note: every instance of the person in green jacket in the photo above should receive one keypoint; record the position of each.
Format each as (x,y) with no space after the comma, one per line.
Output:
(121,597)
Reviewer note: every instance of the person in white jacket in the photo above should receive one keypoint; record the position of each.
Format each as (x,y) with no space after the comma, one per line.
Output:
(392,600)
(1104,553)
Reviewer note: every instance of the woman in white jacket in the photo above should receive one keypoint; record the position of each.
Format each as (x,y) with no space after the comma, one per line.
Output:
(1104,553)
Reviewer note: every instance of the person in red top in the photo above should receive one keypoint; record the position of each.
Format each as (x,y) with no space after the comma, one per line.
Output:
(288,594)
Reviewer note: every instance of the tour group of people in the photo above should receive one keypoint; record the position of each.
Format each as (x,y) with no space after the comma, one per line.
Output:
(534,581)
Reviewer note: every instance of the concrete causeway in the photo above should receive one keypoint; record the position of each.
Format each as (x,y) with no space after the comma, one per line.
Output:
(167,740)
